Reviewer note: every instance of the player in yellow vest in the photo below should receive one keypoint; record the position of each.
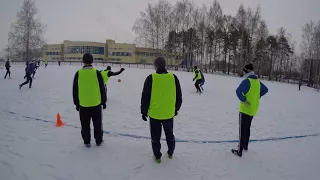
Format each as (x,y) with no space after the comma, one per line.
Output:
(249,93)
(107,73)
(198,78)
(161,100)
(88,96)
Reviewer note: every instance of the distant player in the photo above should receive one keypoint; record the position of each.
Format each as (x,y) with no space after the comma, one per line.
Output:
(107,73)
(249,93)
(198,78)
(45,63)
(8,66)
(29,71)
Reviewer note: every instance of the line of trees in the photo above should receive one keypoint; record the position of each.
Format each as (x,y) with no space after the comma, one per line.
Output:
(217,42)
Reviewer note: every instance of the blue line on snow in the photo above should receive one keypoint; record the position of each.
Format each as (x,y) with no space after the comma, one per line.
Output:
(177,140)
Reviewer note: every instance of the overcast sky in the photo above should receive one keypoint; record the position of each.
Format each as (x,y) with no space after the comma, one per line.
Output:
(97,20)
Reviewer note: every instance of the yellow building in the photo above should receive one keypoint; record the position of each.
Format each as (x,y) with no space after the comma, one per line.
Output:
(105,52)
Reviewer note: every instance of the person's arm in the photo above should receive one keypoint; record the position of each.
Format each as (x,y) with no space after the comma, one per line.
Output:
(75,91)
(178,94)
(110,73)
(146,96)
(243,89)
(263,89)
(102,89)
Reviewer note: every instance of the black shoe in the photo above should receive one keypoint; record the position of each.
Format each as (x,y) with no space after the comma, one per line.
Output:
(236,152)
(88,145)
(99,144)
(245,148)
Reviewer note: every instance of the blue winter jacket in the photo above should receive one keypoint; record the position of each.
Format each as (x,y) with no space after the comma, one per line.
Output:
(244,87)
(30,68)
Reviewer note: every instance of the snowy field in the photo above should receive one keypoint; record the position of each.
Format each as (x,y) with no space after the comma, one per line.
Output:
(32,148)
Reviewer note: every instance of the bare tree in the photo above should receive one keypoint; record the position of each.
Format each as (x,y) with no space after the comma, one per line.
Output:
(27,32)
(307,46)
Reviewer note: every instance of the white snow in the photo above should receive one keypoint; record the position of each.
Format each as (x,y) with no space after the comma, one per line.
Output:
(36,150)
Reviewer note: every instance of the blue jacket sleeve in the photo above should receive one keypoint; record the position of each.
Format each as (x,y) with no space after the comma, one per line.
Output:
(243,89)
(263,89)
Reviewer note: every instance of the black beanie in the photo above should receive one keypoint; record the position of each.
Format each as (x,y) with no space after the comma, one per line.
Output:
(248,67)
(87,58)
(160,62)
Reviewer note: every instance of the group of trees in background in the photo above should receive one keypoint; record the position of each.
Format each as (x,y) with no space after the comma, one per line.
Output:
(216,42)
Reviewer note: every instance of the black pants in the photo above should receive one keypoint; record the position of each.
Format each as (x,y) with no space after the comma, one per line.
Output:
(29,80)
(45,65)
(299,85)
(7,73)
(86,114)
(197,85)
(155,130)
(244,130)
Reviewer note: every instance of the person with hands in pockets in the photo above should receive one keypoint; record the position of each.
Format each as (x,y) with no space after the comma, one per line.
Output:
(88,96)
(161,100)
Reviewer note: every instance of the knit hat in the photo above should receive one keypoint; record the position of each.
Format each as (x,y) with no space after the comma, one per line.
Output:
(195,67)
(247,68)
(160,62)
(87,58)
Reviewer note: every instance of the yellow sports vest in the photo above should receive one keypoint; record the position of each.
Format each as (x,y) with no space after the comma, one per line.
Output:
(105,76)
(199,74)
(253,97)
(88,88)
(163,97)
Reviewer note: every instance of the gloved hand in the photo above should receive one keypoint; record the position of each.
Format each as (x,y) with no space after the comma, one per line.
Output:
(246,103)
(104,106)
(176,113)
(77,108)
(193,79)
(144,117)
(122,69)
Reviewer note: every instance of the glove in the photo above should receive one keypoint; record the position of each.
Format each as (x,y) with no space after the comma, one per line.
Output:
(77,108)
(246,103)
(176,113)
(104,106)
(122,69)
(144,117)
(193,79)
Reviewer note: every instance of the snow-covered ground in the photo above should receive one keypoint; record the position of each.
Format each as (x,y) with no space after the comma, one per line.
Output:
(32,148)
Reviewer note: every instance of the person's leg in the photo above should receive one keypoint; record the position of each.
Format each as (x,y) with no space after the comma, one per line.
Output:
(248,126)
(6,74)
(96,114)
(171,141)
(9,73)
(30,81)
(27,81)
(85,124)
(243,131)
(198,82)
(155,130)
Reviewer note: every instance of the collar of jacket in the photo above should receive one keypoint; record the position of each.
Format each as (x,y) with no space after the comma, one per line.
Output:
(162,71)
(248,74)
(87,67)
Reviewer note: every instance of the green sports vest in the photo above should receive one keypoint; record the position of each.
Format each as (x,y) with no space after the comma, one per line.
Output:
(253,97)
(88,88)
(199,74)
(163,96)
(105,76)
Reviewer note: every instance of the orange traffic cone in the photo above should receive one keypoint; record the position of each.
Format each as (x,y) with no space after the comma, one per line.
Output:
(59,123)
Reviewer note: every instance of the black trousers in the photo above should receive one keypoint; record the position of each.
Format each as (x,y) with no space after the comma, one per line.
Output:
(7,73)
(197,85)
(86,114)
(244,130)
(156,130)
(29,80)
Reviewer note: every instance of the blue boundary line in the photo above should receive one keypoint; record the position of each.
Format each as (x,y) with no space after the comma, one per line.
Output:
(177,140)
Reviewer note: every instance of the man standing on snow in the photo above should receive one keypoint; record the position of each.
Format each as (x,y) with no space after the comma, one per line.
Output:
(88,96)
(249,93)
(29,71)
(198,78)
(7,65)
(161,100)
(107,73)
